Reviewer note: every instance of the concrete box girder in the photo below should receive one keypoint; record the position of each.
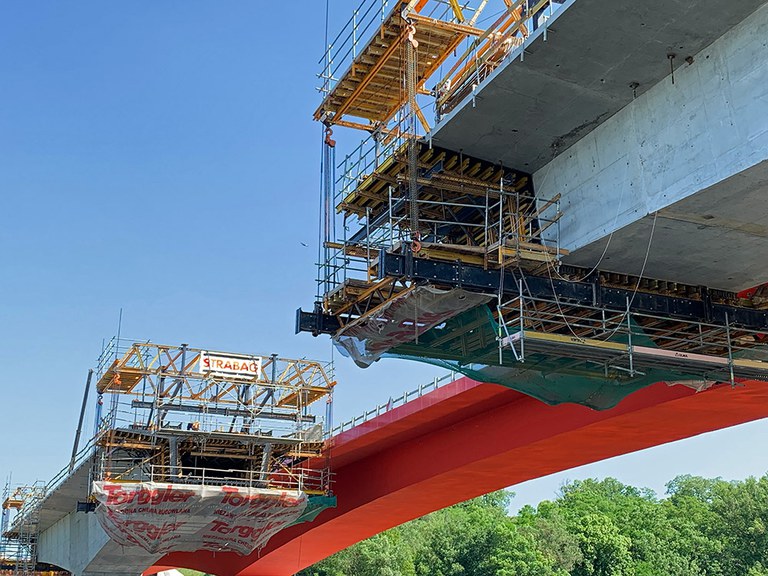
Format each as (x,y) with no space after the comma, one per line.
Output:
(716,238)
(580,76)
(694,152)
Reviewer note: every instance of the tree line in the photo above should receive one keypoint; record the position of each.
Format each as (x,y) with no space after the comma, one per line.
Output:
(701,527)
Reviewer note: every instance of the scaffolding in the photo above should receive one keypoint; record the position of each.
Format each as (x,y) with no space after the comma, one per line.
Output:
(235,437)
(20,519)
(469,210)
(396,192)
(432,254)
(186,415)
(363,67)
(625,343)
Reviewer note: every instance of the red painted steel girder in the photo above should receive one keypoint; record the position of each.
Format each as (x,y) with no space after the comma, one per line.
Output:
(468,439)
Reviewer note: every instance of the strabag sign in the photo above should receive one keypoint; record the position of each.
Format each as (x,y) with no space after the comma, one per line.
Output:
(162,518)
(230,365)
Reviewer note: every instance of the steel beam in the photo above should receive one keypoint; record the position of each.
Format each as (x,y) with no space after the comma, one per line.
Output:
(591,293)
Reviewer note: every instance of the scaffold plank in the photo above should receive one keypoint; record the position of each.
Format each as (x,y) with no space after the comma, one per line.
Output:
(371,88)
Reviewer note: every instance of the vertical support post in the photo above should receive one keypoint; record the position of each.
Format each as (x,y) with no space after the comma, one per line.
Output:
(499,334)
(183,359)
(329,414)
(368,243)
(501,218)
(354,34)
(159,390)
(730,349)
(266,456)
(629,342)
(391,221)
(413,161)
(80,420)
(485,227)
(522,320)
(327,273)
(173,454)
(520,224)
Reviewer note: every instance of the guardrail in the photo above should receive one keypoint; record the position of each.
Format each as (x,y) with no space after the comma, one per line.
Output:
(33,503)
(305,479)
(395,402)
(343,49)
(486,52)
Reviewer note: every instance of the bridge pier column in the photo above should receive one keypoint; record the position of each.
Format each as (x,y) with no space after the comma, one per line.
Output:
(77,543)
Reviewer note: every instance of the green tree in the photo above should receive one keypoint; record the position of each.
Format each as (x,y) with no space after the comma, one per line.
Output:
(459,539)
(741,510)
(688,510)
(605,552)
(517,553)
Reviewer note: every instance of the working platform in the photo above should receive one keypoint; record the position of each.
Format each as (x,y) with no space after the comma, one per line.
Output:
(180,413)
(371,88)
(430,240)
(187,441)
(564,336)
(466,209)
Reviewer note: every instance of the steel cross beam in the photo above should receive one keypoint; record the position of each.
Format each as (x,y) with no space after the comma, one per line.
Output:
(588,292)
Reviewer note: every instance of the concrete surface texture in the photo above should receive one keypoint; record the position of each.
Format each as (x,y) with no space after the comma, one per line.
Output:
(576,72)
(78,544)
(695,150)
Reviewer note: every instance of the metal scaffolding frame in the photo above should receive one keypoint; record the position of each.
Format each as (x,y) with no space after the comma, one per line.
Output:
(18,539)
(625,343)
(396,192)
(184,415)
(469,210)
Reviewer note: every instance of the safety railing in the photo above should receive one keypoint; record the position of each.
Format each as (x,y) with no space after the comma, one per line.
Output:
(44,490)
(484,53)
(625,340)
(114,349)
(366,158)
(141,417)
(339,263)
(508,226)
(32,498)
(393,403)
(304,479)
(342,50)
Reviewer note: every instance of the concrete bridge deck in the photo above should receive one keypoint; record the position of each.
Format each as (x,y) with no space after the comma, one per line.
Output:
(563,106)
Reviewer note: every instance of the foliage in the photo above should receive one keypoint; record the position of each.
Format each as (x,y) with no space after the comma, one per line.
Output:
(702,527)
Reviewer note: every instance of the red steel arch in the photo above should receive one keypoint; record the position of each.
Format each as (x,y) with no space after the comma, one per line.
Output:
(468,439)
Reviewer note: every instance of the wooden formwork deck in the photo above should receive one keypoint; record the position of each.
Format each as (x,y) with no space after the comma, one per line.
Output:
(455,174)
(372,87)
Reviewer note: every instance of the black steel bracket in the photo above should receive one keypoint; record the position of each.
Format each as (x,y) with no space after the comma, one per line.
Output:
(589,293)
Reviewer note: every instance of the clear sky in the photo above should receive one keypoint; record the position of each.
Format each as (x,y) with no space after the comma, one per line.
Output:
(160,157)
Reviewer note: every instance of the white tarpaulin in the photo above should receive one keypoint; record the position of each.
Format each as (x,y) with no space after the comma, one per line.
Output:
(403,319)
(185,518)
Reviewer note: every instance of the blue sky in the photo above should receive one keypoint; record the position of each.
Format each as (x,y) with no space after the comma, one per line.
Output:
(160,157)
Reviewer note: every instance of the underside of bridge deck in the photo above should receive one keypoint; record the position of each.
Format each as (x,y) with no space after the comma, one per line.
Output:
(467,439)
